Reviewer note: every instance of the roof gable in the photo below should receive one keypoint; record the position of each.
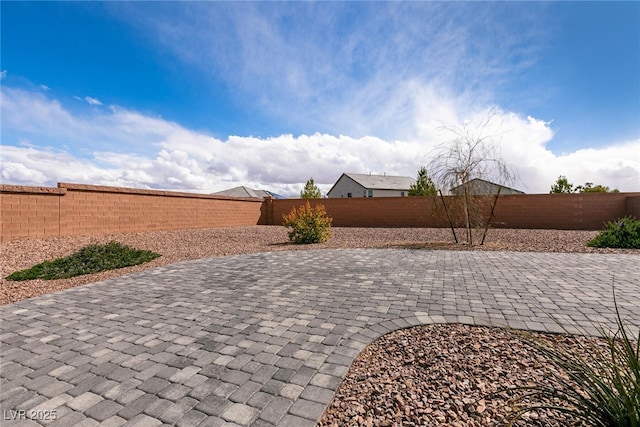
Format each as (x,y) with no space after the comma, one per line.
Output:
(481,186)
(243,191)
(382,182)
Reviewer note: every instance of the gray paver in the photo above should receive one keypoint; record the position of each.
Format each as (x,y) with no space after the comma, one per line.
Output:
(213,405)
(265,339)
(275,410)
(84,401)
(191,418)
(137,406)
(103,410)
(307,409)
(68,420)
(142,420)
(240,414)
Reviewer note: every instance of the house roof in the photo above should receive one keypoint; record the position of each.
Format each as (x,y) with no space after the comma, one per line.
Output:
(484,183)
(382,182)
(243,191)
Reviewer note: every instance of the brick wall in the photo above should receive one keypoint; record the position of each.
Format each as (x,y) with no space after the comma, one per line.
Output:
(632,206)
(74,209)
(587,211)
(29,212)
(373,212)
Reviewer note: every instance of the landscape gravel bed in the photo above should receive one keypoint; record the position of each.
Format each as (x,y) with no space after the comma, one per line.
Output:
(450,375)
(423,376)
(181,245)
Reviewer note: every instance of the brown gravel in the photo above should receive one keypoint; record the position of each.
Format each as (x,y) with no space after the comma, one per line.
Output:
(425,376)
(183,245)
(454,375)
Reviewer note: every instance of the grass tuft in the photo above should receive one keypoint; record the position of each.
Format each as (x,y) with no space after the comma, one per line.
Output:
(603,390)
(90,259)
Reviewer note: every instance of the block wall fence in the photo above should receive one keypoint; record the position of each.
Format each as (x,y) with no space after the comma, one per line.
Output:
(586,211)
(77,209)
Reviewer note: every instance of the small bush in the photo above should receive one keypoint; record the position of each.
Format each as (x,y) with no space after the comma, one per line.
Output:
(90,259)
(308,225)
(623,233)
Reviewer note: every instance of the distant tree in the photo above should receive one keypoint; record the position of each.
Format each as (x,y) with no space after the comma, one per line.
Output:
(562,185)
(310,191)
(588,187)
(424,185)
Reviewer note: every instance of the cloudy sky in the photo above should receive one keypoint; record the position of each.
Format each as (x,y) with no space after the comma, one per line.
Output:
(203,96)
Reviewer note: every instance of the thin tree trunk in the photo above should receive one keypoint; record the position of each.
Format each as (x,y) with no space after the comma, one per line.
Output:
(466,214)
(493,206)
(448,217)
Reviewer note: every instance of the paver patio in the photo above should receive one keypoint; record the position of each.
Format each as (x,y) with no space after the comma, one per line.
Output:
(265,339)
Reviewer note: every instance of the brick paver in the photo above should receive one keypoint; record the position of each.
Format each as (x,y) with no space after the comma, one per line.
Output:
(265,339)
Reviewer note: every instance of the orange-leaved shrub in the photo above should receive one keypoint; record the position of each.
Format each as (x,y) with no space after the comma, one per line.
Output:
(307,224)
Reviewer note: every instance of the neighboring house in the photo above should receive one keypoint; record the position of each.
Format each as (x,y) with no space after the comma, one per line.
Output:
(367,185)
(480,187)
(243,191)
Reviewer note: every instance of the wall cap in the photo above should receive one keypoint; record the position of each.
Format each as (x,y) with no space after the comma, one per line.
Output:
(142,191)
(24,189)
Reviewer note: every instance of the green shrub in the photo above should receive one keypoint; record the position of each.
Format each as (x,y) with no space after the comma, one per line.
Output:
(624,233)
(90,259)
(308,225)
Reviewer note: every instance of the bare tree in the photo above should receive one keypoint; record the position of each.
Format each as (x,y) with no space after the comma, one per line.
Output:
(471,153)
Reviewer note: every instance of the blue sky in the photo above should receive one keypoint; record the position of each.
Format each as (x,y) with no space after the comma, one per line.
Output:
(202,96)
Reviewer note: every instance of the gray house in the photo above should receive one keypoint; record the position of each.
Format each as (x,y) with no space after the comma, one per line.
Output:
(367,185)
(480,187)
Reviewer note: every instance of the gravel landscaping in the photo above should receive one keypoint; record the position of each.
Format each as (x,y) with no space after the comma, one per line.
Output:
(453,375)
(175,246)
(422,376)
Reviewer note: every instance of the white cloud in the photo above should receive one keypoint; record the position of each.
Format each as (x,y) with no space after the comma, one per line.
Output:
(92,101)
(19,173)
(45,167)
(3,74)
(339,67)
(27,114)
(386,74)
(126,148)
(616,166)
